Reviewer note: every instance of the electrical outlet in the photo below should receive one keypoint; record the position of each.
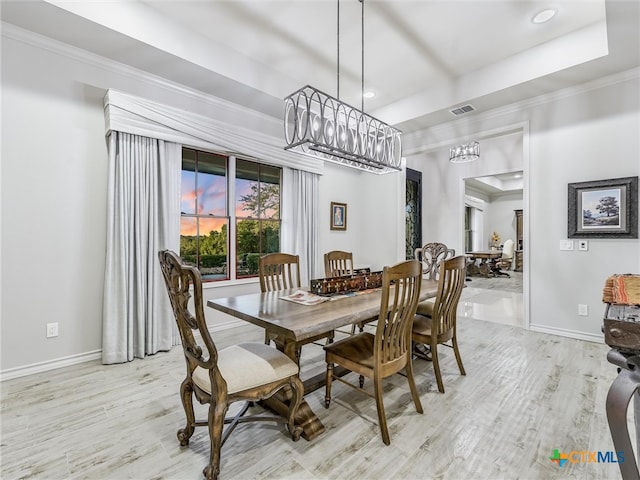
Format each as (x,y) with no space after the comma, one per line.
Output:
(583,310)
(52,330)
(583,245)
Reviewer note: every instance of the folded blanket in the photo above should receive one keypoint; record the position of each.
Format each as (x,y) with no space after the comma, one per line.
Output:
(622,290)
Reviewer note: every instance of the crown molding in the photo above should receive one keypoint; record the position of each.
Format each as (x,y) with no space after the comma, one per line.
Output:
(475,121)
(479,134)
(77,54)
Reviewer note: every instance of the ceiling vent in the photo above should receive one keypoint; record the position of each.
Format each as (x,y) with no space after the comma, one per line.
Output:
(463,109)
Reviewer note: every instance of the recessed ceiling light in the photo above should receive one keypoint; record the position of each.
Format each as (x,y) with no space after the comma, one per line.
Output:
(544,16)
(369,94)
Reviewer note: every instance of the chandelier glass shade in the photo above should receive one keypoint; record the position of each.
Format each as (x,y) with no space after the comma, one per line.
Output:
(320,125)
(464,153)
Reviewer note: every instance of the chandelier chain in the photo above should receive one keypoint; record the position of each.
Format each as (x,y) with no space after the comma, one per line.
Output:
(338,54)
(362,66)
(320,125)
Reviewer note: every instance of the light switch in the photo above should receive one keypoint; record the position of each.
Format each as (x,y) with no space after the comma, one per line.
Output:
(566,244)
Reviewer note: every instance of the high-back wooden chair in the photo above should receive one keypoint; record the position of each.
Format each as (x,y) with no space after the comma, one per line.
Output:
(338,263)
(431,255)
(389,350)
(246,372)
(281,271)
(435,322)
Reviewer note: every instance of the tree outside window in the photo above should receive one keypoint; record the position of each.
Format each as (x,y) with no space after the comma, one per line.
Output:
(257,211)
(206,218)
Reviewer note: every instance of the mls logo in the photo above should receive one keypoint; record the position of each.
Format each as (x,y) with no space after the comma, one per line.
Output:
(559,458)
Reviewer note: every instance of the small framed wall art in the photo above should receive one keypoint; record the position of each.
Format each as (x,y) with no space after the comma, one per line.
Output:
(338,216)
(604,209)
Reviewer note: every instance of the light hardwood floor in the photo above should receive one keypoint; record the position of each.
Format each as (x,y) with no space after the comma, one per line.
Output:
(525,394)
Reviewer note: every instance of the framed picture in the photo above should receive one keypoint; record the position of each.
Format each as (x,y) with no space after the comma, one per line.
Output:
(604,209)
(338,216)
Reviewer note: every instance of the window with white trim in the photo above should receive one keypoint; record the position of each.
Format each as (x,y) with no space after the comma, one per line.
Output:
(230,214)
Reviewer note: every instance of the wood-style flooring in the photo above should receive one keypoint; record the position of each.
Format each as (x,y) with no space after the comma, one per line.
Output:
(525,395)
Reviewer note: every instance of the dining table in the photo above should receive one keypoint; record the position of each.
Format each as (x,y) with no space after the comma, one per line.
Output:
(487,261)
(294,324)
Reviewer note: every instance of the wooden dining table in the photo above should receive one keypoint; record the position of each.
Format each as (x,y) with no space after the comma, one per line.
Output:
(295,324)
(487,259)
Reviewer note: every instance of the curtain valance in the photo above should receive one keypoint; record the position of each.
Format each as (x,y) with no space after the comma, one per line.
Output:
(131,114)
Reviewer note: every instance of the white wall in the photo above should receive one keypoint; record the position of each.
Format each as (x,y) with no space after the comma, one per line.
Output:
(501,216)
(443,185)
(54,193)
(53,207)
(53,184)
(372,205)
(588,132)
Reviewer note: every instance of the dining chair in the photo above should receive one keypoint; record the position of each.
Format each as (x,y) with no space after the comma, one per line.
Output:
(278,271)
(431,255)
(281,271)
(435,323)
(506,261)
(246,372)
(338,263)
(389,350)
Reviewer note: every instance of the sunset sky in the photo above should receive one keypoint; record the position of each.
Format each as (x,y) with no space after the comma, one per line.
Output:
(211,194)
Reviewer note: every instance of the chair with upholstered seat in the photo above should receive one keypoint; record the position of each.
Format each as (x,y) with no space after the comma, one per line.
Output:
(431,255)
(506,261)
(281,271)
(389,350)
(435,322)
(246,372)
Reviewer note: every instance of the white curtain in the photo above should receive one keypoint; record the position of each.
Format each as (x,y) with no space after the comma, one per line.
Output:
(143,217)
(128,113)
(300,198)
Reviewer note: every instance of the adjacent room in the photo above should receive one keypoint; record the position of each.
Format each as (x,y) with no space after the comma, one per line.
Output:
(401,235)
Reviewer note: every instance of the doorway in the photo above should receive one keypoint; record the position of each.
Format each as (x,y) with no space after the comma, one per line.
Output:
(413,212)
(493,208)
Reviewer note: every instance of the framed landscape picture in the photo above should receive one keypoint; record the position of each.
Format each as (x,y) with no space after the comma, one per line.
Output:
(338,216)
(604,209)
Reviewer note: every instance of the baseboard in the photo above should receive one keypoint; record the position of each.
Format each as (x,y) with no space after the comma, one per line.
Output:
(40,367)
(563,332)
(18,372)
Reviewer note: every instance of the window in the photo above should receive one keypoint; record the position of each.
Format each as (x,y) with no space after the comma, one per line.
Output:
(230,214)
(257,214)
(468,231)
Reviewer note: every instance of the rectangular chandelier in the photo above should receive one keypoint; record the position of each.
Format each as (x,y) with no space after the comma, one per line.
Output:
(467,152)
(320,125)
